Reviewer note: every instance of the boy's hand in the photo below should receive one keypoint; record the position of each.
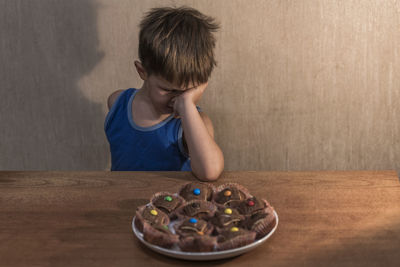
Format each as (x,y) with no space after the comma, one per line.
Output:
(187,98)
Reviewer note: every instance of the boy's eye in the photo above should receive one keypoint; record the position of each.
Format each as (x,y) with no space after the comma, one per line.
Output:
(172,91)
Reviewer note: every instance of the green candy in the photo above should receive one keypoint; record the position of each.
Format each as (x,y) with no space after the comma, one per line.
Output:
(168,198)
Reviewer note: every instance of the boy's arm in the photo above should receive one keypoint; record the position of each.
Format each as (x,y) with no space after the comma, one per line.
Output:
(111,99)
(208,124)
(207,160)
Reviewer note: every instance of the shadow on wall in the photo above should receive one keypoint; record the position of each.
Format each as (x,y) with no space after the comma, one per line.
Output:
(46,123)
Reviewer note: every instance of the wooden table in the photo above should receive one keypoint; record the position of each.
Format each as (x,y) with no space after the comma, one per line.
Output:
(84,218)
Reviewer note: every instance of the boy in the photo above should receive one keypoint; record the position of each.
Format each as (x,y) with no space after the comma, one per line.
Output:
(159,127)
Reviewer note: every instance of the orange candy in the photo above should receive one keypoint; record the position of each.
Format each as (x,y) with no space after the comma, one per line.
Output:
(227,193)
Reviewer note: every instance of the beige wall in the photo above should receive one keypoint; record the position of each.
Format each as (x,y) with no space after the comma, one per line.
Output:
(300,85)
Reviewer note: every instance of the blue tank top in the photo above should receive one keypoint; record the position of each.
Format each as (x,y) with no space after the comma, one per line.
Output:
(136,148)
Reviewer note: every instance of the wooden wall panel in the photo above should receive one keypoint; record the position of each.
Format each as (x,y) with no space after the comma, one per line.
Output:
(300,85)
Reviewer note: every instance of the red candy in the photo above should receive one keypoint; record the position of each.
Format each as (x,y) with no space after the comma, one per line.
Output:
(250,203)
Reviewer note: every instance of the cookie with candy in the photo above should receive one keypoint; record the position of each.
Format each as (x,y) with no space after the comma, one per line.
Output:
(227,217)
(197,191)
(167,202)
(230,194)
(193,227)
(151,215)
(259,220)
(197,208)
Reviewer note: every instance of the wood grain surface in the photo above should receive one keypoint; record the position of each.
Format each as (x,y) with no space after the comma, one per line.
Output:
(84,218)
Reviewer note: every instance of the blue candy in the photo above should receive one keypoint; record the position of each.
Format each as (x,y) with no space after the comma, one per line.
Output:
(193,220)
(196,191)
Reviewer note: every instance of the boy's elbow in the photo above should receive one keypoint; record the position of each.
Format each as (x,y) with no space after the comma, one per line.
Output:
(209,177)
(209,174)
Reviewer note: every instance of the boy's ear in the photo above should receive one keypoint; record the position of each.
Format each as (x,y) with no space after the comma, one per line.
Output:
(140,69)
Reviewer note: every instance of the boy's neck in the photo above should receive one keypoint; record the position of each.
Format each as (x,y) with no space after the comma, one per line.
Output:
(144,113)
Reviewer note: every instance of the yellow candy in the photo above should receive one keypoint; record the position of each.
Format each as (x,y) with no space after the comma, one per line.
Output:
(227,193)
(228,211)
(153,212)
(234,229)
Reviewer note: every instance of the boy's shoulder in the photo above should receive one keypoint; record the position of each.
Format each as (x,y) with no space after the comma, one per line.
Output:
(111,98)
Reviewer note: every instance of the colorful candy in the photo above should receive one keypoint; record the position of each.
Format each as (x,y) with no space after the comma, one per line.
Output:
(234,229)
(250,203)
(228,211)
(227,193)
(168,198)
(196,191)
(192,220)
(153,212)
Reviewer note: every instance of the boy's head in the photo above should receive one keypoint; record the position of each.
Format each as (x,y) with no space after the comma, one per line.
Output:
(177,44)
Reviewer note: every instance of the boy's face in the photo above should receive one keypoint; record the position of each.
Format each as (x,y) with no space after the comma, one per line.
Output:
(162,92)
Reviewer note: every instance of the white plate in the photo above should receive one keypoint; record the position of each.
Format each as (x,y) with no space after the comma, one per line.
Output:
(215,255)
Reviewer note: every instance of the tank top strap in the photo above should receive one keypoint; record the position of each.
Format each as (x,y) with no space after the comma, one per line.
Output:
(120,104)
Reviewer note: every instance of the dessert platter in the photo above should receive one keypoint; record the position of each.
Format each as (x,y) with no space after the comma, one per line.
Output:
(204,222)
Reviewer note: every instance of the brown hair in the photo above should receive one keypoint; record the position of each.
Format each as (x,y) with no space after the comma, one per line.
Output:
(178,44)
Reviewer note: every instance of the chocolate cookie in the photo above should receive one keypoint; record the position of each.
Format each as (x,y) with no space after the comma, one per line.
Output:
(230,194)
(196,191)
(167,202)
(151,215)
